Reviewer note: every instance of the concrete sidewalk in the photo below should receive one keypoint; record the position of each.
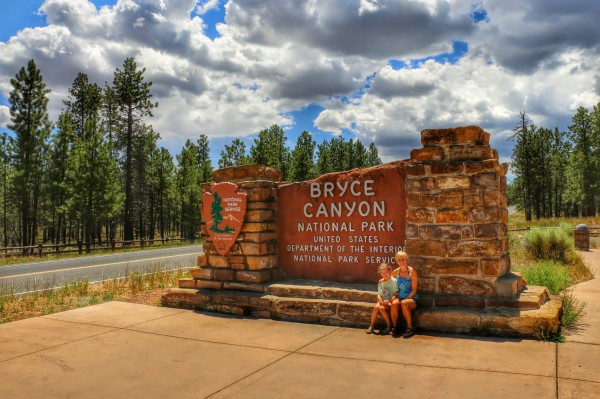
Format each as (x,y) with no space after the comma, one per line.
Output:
(120,350)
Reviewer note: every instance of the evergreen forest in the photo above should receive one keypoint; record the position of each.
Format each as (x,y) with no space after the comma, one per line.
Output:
(97,174)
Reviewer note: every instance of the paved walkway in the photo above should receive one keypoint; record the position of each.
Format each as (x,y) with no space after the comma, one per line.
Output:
(120,350)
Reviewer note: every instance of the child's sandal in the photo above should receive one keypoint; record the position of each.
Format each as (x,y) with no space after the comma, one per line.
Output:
(386,331)
(409,333)
(393,331)
(369,330)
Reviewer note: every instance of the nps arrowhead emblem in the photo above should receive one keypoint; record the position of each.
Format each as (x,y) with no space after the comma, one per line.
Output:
(223,211)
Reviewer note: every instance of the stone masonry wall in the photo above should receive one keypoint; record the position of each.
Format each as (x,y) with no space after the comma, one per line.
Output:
(456,217)
(253,257)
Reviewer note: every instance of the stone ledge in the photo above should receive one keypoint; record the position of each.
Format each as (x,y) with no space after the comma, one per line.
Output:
(350,305)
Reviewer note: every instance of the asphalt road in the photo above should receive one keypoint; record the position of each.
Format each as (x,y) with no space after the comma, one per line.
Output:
(36,276)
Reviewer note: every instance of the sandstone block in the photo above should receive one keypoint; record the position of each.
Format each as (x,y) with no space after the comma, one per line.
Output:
(355,312)
(440,266)
(486,138)
(258,227)
(261,194)
(423,184)
(488,230)
(261,215)
(246,172)
(504,215)
(412,231)
(437,232)
(473,167)
(217,261)
(426,248)
(491,164)
(450,168)
(466,287)
(451,216)
(223,274)
(261,262)
(415,170)
(251,185)
(484,214)
(485,180)
(259,237)
(179,297)
(203,273)
(253,276)
(493,198)
(449,320)
(202,260)
(256,205)
(303,307)
(493,267)
(237,266)
(503,185)
(252,248)
(261,314)
(211,285)
(457,135)
(453,182)
(473,249)
(239,286)
(187,283)
(467,232)
(451,199)
(469,152)
(428,154)
(468,302)
(420,216)
(347,295)
(426,285)
(473,200)
(286,290)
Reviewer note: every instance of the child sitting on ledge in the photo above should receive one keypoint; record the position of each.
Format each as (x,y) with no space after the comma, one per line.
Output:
(386,293)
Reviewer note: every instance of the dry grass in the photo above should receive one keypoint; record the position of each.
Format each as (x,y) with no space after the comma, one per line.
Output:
(137,288)
(12,260)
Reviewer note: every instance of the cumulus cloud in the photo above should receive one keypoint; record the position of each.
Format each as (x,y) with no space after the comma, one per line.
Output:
(469,92)
(277,56)
(4,115)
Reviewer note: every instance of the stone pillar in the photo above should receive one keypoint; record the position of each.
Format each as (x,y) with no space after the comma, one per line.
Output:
(253,257)
(457,219)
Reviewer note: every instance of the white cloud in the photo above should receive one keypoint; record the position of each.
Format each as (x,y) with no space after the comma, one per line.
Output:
(4,115)
(206,6)
(276,56)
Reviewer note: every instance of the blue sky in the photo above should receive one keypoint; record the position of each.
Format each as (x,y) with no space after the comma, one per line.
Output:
(374,70)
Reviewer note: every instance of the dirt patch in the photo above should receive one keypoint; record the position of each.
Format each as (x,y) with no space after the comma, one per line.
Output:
(151,297)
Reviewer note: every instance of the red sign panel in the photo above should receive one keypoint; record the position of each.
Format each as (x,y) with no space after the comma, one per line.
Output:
(341,226)
(223,211)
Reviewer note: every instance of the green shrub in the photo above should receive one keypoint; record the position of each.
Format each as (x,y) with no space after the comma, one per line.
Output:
(548,244)
(552,274)
(573,310)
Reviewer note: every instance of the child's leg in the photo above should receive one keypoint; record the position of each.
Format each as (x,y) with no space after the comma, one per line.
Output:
(386,316)
(374,315)
(395,306)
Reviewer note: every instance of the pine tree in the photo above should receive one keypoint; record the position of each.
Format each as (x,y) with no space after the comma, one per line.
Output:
(269,149)
(30,122)
(585,143)
(62,142)
(133,99)
(303,158)
(234,155)
(372,157)
(4,174)
(188,186)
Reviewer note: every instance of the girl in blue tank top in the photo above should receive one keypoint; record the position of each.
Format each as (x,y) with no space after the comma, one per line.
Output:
(407,280)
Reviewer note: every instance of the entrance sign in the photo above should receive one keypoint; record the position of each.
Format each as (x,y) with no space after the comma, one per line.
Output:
(341,226)
(223,210)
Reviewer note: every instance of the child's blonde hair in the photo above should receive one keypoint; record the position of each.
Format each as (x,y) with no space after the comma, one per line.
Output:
(385,266)
(401,255)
